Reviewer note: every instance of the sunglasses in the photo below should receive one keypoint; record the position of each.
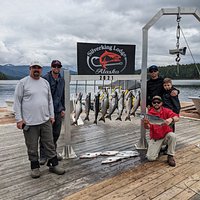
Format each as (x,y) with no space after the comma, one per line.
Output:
(153,71)
(56,66)
(156,102)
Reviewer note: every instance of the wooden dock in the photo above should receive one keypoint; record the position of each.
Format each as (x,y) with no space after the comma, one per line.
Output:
(132,178)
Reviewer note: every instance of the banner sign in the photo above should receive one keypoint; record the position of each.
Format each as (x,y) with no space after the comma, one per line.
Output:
(105,59)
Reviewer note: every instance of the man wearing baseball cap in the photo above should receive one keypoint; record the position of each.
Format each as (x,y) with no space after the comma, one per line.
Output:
(155,85)
(34,114)
(57,85)
(161,134)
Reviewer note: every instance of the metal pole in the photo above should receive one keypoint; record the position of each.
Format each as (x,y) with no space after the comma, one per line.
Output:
(67,149)
(142,144)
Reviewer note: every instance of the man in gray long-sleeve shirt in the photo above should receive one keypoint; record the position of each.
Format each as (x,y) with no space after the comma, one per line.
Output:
(34,114)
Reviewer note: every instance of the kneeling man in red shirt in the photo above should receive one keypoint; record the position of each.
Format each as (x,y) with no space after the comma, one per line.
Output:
(161,134)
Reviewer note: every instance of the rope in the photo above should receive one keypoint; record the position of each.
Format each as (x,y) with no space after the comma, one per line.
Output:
(190,51)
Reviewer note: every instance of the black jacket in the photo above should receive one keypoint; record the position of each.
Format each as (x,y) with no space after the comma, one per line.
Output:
(154,87)
(171,102)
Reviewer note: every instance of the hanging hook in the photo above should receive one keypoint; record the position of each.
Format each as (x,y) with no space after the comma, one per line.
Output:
(177,58)
(178,19)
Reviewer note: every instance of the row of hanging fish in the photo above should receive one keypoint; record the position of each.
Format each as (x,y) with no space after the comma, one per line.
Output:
(104,105)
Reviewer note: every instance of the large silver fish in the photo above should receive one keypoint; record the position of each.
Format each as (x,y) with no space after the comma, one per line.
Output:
(87,106)
(129,105)
(96,106)
(104,105)
(152,118)
(78,108)
(120,106)
(114,105)
(136,103)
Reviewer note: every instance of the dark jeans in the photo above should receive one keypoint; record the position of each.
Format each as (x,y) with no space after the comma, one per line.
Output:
(32,136)
(56,133)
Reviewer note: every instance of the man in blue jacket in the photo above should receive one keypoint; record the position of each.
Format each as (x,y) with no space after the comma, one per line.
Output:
(57,85)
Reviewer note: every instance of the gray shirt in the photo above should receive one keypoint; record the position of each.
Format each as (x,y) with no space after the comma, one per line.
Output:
(33,101)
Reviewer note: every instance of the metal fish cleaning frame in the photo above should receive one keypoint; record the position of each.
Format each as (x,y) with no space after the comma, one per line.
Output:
(68,151)
(142,144)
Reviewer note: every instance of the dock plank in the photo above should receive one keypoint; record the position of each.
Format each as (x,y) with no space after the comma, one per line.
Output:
(82,174)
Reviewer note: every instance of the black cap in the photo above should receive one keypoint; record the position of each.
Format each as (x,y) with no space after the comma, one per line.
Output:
(153,68)
(56,63)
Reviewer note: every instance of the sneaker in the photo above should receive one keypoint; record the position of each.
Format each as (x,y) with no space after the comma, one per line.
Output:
(171,161)
(43,161)
(59,157)
(35,173)
(57,170)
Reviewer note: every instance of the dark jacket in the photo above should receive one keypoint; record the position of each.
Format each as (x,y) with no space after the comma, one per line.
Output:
(154,87)
(57,91)
(171,102)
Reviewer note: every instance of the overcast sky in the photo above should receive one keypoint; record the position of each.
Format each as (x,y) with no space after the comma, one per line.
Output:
(47,29)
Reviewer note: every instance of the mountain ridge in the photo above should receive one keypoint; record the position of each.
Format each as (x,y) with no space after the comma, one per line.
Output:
(16,72)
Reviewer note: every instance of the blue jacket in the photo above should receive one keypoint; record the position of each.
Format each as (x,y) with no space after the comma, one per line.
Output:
(57,91)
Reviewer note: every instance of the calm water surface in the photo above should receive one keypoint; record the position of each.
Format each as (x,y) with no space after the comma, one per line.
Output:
(7,88)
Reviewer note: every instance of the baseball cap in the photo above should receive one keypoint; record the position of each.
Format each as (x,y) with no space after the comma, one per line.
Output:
(56,63)
(157,98)
(36,63)
(153,68)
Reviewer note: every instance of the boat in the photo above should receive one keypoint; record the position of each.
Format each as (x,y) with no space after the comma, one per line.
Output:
(196,101)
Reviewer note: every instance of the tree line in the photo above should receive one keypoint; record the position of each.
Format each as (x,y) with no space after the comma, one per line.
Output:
(187,71)
(3,76)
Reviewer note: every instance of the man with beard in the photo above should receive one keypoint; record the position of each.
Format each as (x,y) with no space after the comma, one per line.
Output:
(57,85)
(155,85)
(34,114)
(161,134)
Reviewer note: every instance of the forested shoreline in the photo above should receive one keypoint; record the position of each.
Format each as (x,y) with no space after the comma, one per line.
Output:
(183,72)
(188,71)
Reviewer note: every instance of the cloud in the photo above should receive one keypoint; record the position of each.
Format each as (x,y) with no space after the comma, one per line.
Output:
(51,29)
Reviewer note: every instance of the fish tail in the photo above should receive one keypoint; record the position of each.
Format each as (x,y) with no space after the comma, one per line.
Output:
(109,117)
(119,118)
(74,123)
(87,118)
(128,118)
(102,119)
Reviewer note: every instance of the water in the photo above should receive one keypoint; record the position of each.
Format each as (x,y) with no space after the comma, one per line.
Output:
(188,91)
(7,88)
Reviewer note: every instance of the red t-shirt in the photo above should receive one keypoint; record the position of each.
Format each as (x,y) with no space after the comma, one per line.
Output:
(159,131)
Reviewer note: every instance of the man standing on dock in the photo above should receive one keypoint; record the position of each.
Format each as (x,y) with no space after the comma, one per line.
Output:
(57,85)
(34,114)
(162,133)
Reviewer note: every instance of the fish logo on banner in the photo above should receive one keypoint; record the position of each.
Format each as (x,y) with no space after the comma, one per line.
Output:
(111,61)
(107,59)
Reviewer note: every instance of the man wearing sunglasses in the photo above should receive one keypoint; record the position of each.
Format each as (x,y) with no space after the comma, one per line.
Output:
(155,85)
(161,134)
(57,85)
